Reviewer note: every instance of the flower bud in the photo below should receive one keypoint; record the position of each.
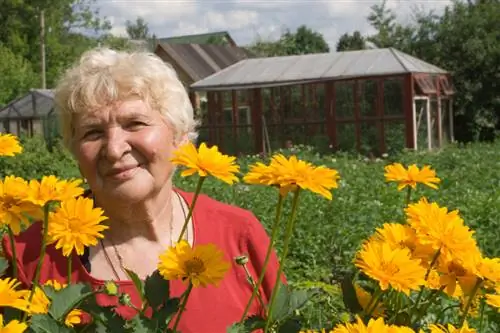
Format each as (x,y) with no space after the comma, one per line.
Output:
(241,260)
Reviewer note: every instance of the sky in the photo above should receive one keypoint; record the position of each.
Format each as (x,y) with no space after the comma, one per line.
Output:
(248,20)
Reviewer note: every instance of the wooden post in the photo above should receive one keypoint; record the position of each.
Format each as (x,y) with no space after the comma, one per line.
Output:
(356,90)
(257,119)
(380,115)
(42,47)
(408,91)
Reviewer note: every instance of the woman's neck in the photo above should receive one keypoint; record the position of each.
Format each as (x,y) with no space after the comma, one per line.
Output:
(151,219)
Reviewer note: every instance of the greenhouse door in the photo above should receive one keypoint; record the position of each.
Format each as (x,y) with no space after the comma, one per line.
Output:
(422,125)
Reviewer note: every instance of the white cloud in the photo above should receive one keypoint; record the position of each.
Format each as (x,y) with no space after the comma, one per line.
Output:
(248,19)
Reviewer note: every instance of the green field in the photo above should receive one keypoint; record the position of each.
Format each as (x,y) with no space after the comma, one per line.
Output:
(328,233)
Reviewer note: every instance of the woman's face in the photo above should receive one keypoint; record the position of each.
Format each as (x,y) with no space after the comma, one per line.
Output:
(124,150)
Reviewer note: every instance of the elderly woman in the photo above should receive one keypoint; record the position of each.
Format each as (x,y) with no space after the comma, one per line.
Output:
(123,115)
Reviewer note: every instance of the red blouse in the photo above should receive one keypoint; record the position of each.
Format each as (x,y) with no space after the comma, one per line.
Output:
(209,310)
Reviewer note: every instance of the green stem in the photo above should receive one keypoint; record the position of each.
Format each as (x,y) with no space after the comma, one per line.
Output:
(14,252)
(408,196)
(191,208)
(420,294)
(274,233)
(469,301)
(440,314)
(252,283)
(36,279)
(70,267)
(481,315)
(373,303)
(286,244)
(430,301)
(182,307)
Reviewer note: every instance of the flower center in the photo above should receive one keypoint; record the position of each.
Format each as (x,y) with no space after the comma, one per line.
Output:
(389,268)
(194,266)
(8,202)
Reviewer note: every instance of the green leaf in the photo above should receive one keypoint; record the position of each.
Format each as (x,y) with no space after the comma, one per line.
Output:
(280,307)
(349,295)
(299,298)
(156,289)
(141,324)
(47,324)
(67,298)
(250,324)
(291,325)
(137,282)
(4,264)
(166,312)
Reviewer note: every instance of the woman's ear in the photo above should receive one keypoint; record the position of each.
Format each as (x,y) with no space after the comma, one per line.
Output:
(181,140)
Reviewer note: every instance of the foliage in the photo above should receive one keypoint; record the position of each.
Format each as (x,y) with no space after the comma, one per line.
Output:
(329,233)
(465,41)
(303,41)
(17,75)
(67,24)
(37,161)
(352,42)
(138,29)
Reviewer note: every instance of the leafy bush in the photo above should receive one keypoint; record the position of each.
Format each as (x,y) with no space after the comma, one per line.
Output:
(37,161)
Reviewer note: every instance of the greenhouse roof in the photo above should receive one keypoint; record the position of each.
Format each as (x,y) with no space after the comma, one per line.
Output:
(36,103)
(308,68)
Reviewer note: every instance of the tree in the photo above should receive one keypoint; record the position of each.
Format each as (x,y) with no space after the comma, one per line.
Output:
(384,21)
(465,40)
(137,30)
(303,41)
(351,42)
(17,75)
(67,26)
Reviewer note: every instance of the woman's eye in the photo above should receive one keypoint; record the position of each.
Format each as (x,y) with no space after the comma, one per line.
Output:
(136,124)
(91,134)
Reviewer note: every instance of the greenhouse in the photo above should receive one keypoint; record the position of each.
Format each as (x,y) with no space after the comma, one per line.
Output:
(371,101)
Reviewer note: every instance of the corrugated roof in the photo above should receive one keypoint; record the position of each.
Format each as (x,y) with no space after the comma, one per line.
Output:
(276,71)
(201,60)
(206,38)
(36,103)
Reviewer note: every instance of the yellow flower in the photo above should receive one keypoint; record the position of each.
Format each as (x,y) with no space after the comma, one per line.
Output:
(457,279)
(55,284)
(404,236)
(39,303)
(411,177)
(451,329)
(261,174)
(206,161)
(373,326)
(494,300)
(489,269)
(292,172)
(444,231)
(13,326)
(201,265)
(73,318)
(14,204)
(75,224)
(393,267)
(9,145)
(10,296)
(364,299)
(52,189)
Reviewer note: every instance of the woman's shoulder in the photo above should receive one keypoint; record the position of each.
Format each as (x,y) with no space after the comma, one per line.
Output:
(217,212)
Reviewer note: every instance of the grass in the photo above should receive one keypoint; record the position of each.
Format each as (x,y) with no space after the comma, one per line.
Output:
(328,233)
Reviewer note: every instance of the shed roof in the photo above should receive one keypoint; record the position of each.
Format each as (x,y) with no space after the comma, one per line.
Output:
(36,103)
(206,38)
(288,70)
(201,60)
